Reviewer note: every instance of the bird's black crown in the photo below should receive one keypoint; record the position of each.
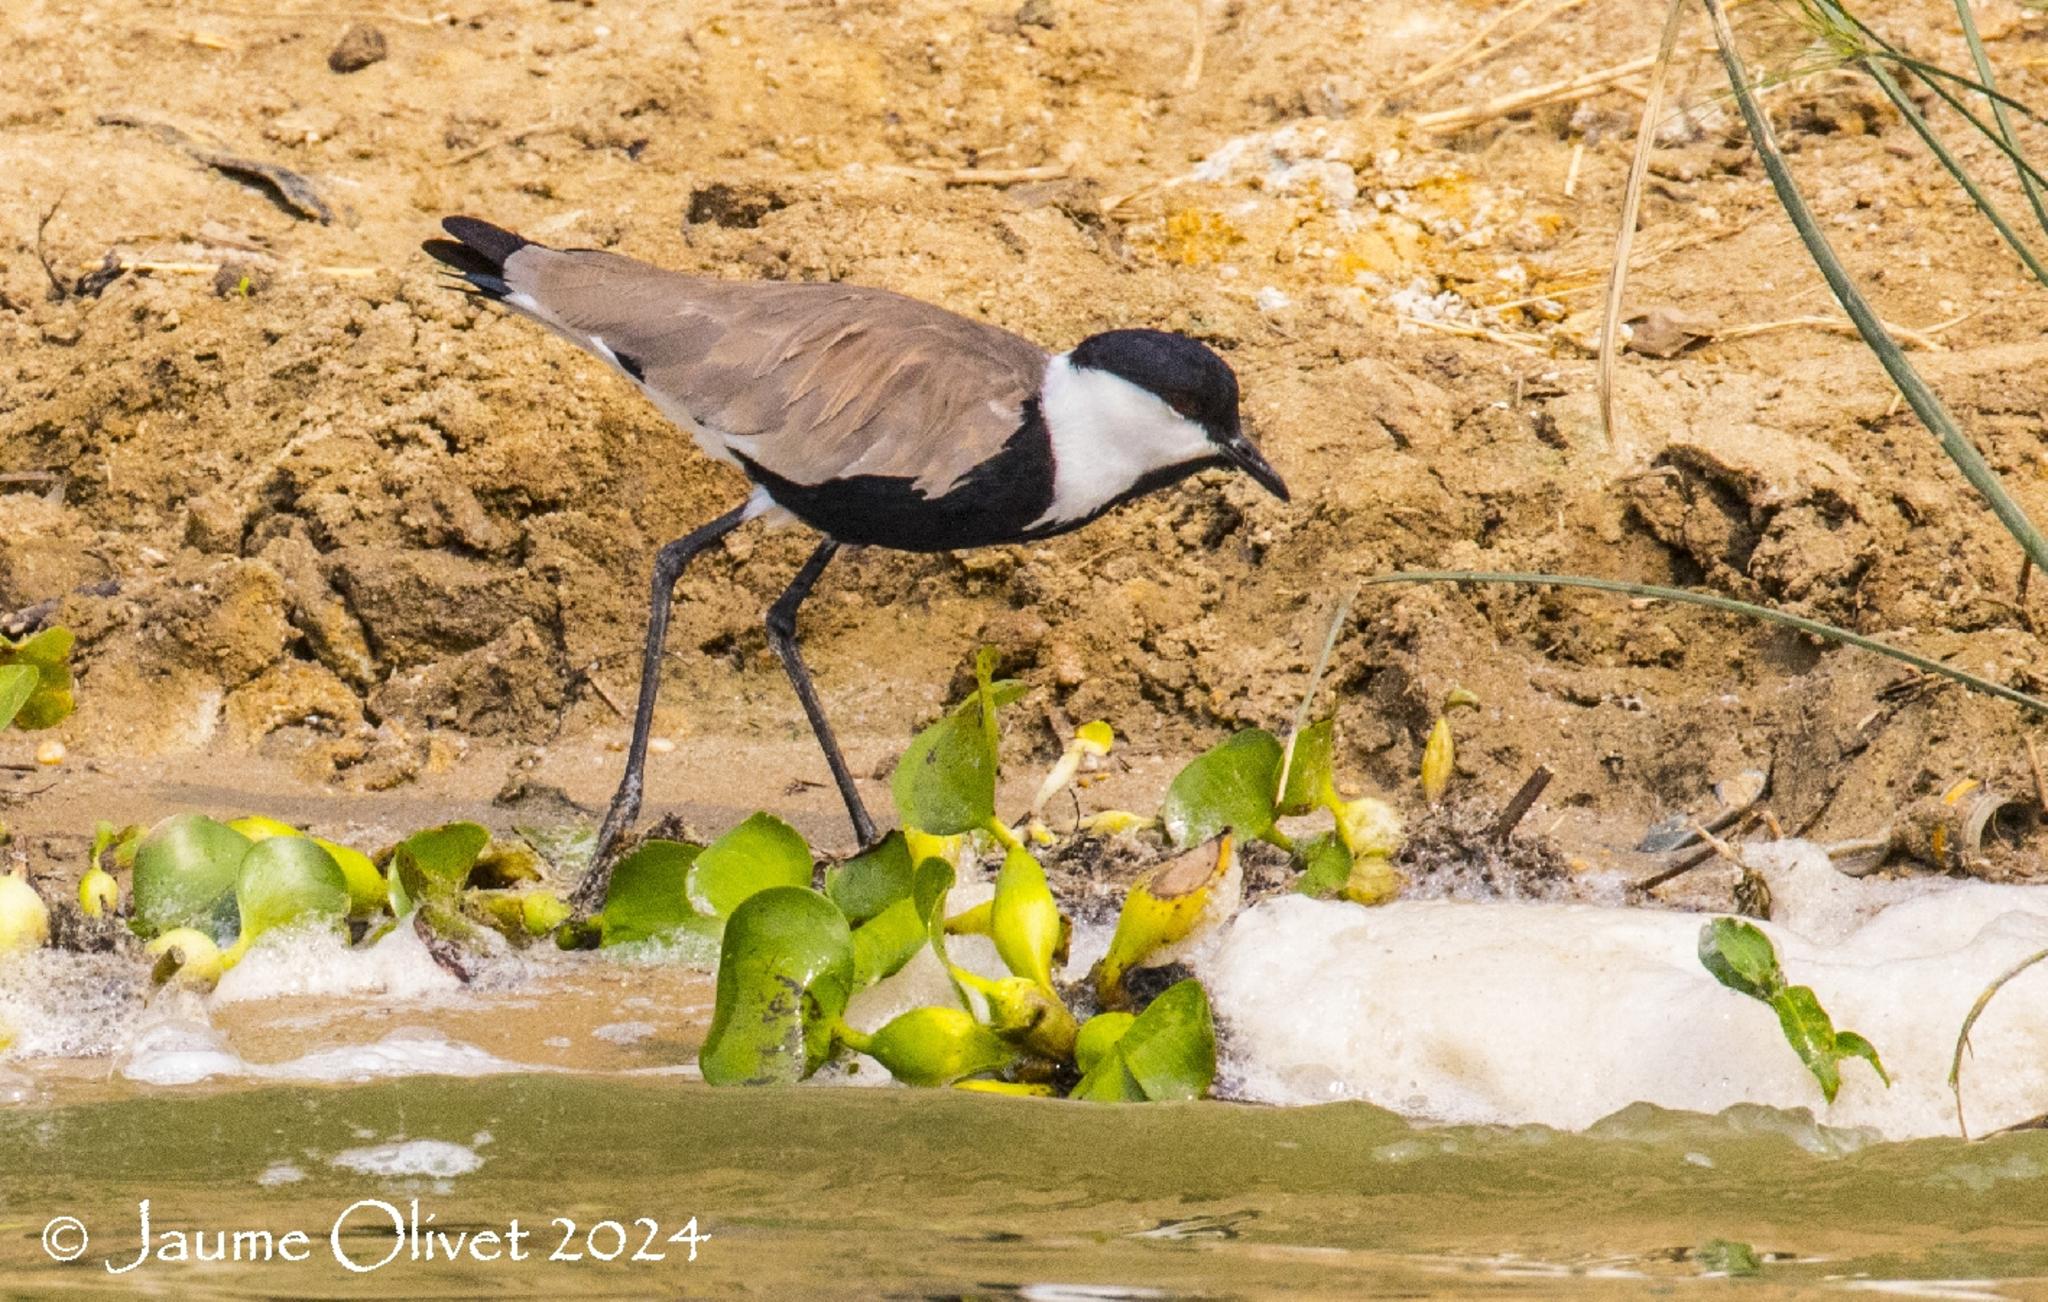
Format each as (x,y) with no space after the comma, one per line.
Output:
(1187,376)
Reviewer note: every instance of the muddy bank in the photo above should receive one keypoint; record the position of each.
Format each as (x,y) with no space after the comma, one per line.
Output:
(368,532)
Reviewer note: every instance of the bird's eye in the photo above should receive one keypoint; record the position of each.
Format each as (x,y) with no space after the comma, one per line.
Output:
(1182,407)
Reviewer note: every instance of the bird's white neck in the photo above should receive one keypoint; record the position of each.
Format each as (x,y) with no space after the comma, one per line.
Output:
(1107,433)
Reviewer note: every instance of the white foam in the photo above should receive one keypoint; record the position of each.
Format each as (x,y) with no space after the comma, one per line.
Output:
(1559,1014)
(312,961)
(436,1158)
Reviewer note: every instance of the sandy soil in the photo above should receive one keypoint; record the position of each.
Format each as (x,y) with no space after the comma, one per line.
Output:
(364,535)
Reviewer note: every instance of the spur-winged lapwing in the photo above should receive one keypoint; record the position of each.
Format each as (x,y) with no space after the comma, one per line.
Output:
(875,419)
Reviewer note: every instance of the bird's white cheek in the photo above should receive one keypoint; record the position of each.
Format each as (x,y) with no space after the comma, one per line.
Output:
(1106,434)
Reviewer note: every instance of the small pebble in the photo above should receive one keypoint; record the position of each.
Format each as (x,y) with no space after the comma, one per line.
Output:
(359,47)
(660,745)
(50,753)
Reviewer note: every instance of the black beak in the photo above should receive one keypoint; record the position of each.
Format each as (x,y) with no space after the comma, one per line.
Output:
(1239,452)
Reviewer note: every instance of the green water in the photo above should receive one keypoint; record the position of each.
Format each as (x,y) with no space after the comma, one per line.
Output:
(871,1192)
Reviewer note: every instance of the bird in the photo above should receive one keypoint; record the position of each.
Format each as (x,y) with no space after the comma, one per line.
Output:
(873,418)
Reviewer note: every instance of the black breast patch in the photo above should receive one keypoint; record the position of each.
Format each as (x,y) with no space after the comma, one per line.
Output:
(996,503)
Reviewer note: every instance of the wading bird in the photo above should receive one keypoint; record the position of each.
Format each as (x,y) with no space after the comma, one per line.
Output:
(875,419)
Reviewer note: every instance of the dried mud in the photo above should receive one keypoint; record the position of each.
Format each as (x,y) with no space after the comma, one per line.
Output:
(365,532)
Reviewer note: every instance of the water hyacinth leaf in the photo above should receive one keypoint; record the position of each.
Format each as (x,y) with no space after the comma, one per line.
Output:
(934,1046)
(98,893)
(785,970)
(1027,1015)
(1230,785)
(762,852)
(1024,920)
(1016,1089)
(1439,756)
(285,879)
(1310,780)
(946,781)
(185,870)
(647,898)
(872,881)
(24,918)
(1373,880)
(504,865)
(367,890)
(258,827)
(929,888)
(17,684)
(49,654)
(121,841)
(187,957)
(884,943)
(1325,866)
(1741,957)
(1168,1052)
(1168,907)
(1369,827)
(1098,1036)
(434,864)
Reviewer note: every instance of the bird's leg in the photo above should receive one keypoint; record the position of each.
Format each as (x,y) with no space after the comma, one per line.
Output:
(782,636)
(669,564)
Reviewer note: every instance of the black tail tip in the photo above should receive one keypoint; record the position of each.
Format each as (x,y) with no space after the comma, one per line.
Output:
(480,256)
(492,242)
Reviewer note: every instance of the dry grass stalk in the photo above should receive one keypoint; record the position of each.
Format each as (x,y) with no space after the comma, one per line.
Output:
(1550,92)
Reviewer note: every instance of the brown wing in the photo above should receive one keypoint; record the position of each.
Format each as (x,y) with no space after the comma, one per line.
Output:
(811,382)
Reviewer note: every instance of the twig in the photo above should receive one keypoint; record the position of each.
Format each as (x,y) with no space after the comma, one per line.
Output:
(2040,780)
(1470,52)
(1955,1064)
(1714,601)
(1465,330)
(590,676)
(1571,171)
(1193,76)
(1518,807)
(1550,92)
(2020,599)
(546,126)
(1315,681)
(979,175)
(1923,338)
(1625,234)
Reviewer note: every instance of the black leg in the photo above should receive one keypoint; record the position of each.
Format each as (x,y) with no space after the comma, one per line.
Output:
(669,564)
(782,636)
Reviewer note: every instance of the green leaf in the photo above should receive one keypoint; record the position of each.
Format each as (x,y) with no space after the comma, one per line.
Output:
(1098,1036)
(17,684)
(929,888)
(1167,906)
(873,880)
(1310,783)
(646,897)
(1169,1052)
(935,1046)
(1024,920)
(946,782)
(285,878)
(49,654)
(185,870)
(785,970)
(762,852)
(887,941)
(1231,785)
(433,865)
(1741,957)
(1325,866)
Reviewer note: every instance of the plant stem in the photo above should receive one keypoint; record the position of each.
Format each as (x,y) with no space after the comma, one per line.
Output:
(1631,202)
(1955,1066)
(1919,123)
(1922,399)
(1984,74)
(1731,605)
